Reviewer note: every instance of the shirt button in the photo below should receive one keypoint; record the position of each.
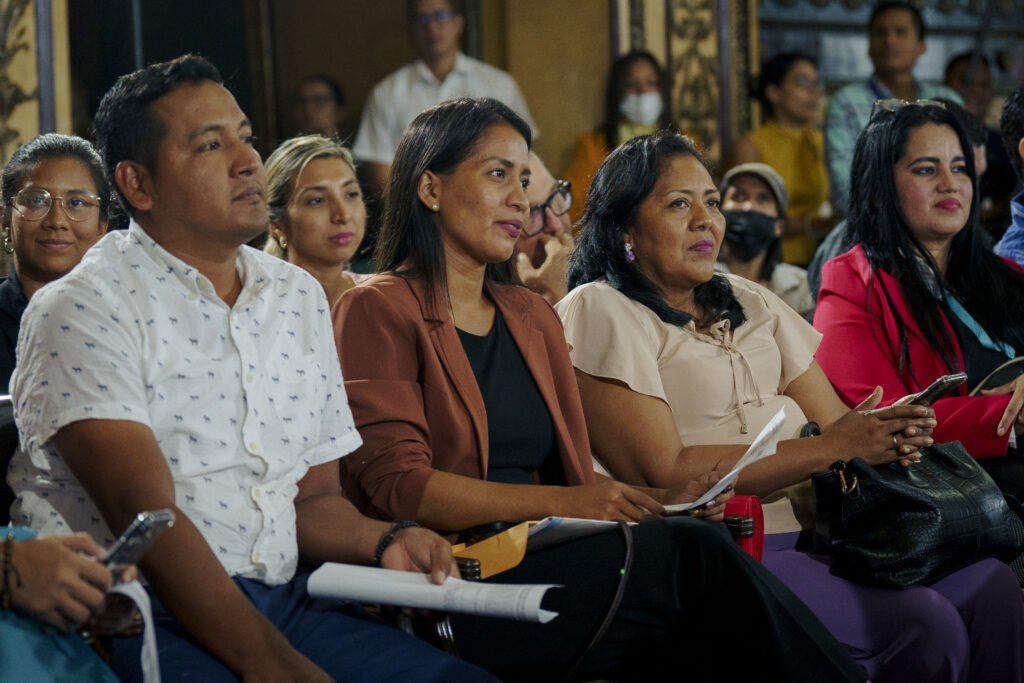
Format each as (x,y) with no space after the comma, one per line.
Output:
(255,557)
(192,296)
(256,493)
(249,378)
(254,447)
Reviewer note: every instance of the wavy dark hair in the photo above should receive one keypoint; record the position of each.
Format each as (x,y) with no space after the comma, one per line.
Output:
(437,140)
(617,90)
(979,279)
(625,179)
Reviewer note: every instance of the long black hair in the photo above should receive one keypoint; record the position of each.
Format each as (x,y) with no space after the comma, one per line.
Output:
(625,179)
(980,280)
(437,140)
(617,90)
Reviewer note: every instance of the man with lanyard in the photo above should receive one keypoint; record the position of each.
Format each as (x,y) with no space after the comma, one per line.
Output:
(895,43)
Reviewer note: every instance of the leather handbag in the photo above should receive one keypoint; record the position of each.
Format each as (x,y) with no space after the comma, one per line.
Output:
(896,526)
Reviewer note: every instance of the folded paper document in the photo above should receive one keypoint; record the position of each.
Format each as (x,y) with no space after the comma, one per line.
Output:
(412,589)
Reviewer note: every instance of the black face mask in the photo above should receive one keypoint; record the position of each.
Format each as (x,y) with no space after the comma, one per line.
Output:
(748,233)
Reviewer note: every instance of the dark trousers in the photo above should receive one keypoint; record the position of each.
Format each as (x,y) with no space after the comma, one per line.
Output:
(696,608)
(1008,473)
(342,639)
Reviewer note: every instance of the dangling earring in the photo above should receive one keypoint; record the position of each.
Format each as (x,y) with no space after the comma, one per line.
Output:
(630,255)
(8,245)
(283,241)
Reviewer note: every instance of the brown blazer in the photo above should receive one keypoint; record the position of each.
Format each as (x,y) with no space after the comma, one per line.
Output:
(415,399)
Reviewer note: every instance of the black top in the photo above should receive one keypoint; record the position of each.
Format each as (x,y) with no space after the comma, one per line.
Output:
(12,304)
(520,436)
(978,360)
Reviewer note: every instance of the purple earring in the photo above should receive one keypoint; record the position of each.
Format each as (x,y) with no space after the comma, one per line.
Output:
(630,256)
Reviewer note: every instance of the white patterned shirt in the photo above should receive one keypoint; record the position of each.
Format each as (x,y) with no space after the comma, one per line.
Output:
(242,400)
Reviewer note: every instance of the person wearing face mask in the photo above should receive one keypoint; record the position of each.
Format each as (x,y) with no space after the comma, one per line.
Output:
(636,103)
(754,203)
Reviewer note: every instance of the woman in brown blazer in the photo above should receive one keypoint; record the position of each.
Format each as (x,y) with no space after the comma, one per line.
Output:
(462,389)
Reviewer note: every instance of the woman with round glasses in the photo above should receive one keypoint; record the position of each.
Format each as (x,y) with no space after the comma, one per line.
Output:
(919,295)
(56,204)
(317,214)
(544,245)
(790,92)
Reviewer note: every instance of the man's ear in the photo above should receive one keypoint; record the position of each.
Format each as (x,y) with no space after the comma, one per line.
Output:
(428,189)
(460,22)
(133,179)
(780,225)
(1020,148)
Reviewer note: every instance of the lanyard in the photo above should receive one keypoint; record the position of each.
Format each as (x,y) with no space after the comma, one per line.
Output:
(983,337)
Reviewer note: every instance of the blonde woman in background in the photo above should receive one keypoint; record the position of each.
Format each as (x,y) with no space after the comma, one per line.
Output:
(317,214)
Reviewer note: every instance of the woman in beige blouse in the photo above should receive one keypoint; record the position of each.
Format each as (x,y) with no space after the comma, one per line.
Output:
(679,369)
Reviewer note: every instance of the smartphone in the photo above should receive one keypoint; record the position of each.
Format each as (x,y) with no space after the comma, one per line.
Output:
(938,389)
(138,537)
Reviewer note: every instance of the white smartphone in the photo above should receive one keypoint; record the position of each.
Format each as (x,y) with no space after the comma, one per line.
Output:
(138,537)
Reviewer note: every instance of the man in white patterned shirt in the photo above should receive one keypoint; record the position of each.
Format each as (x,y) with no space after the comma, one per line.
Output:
(176,368)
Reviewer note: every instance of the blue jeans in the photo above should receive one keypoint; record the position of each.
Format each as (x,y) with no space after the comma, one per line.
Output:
(341,638)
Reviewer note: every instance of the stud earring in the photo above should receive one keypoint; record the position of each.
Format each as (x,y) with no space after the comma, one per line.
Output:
(8,245)
(283,241)
(435,208)
(630,254)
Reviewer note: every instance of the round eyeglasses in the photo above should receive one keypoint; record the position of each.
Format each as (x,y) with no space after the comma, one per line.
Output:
(559,201)
(34,203)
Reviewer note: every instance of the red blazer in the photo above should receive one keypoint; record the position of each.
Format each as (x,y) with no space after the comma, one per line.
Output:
(860,351)
(415,399)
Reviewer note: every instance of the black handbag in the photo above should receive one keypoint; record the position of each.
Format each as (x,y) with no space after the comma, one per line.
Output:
(896,526)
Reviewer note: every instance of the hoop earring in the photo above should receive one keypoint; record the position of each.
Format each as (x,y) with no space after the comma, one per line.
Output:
(630,254)
(8,245)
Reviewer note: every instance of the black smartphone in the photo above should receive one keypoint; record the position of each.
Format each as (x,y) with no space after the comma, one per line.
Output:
(138,537)
(938,389)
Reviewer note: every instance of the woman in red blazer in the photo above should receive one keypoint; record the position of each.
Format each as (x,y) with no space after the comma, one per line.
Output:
(919,296)
(464,395)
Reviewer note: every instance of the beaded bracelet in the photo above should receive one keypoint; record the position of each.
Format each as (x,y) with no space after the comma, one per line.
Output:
(387,538)
(5,588)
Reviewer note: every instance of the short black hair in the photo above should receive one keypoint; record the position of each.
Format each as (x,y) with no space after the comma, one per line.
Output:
(961,58)
(774,71)
(336,91)
(54,146)
(887,5)
(455,5)
(1011,128)
(125,127)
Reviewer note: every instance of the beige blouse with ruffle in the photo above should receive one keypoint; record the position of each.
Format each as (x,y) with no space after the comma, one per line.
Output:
(722,387)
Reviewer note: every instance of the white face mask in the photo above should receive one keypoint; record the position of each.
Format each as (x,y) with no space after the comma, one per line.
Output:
(643,109)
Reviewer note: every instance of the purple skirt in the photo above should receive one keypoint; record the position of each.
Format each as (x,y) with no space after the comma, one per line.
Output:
(968,626)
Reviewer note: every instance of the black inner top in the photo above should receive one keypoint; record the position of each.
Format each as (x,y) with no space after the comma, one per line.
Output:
(521,437)
(978,360)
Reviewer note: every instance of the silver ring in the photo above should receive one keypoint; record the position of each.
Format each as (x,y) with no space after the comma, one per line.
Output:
(895,443)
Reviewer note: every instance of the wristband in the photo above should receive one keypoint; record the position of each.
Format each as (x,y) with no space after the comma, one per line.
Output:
(387,538)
